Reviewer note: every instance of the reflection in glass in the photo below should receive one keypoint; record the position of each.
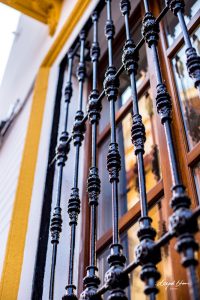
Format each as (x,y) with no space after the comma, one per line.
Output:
(196,173)
(188,95)
(128,184)
(172,25)
(129,241)
(151,159)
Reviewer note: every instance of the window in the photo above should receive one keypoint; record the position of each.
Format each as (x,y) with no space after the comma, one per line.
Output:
(156,160)
(157,168)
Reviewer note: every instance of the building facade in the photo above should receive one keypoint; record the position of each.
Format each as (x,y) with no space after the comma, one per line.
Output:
(135,234)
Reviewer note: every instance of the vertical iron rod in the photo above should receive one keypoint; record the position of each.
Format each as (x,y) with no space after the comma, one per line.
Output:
(180,203)
(146,233)
(61,157)
(116,258)
(92,281)
(74,200)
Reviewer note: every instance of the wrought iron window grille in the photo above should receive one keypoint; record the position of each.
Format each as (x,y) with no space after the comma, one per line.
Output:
(183,221)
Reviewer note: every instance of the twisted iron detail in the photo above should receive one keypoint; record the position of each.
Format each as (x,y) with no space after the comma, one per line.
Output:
(78,128)
(56,225)
(94,107)
(130,57)
(62,149)
(192,58)
(193,65)
(150,29)
(74,206)
(138,134)
(111,84)
(163,103)
(68,92)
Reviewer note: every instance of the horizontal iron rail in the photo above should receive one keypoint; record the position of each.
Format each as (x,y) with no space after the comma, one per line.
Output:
(164,240)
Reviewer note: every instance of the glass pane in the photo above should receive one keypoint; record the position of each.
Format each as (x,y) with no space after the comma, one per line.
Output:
(128,184)
(172,26)
(129,241)
(188,95)
(151,156)
(196,173)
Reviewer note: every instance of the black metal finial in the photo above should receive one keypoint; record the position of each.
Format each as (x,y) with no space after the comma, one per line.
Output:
(180,202)
(92,281)
(192,59)
(62,151)
(74,200)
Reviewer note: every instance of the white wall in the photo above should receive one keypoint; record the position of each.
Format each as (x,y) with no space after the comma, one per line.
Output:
(10,160)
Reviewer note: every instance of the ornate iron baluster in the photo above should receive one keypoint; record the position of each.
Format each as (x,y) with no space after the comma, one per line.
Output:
(146,233)
(61,157)
(116,258)
(92,280)
(74,200)
(192,59)
(180,203)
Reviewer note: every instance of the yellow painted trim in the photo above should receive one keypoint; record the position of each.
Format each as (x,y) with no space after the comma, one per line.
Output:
(12,268)
(17,235)
(65,32)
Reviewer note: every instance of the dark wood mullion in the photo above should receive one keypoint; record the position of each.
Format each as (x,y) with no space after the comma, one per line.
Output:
(122,112)
(179,42)
(181,149)
(178,126)
(128,219)
(173,258)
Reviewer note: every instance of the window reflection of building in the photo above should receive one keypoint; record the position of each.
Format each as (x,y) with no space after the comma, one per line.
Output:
(188,96)
(172,26)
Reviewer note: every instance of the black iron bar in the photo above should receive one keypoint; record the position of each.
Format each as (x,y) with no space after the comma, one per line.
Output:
(192,59)
(116,258)
(146,233)
(61,157)
(92,281)
(74,200)
(131,267)
(180,203)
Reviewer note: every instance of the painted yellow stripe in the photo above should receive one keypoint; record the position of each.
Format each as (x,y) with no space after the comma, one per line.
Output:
(17,234)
